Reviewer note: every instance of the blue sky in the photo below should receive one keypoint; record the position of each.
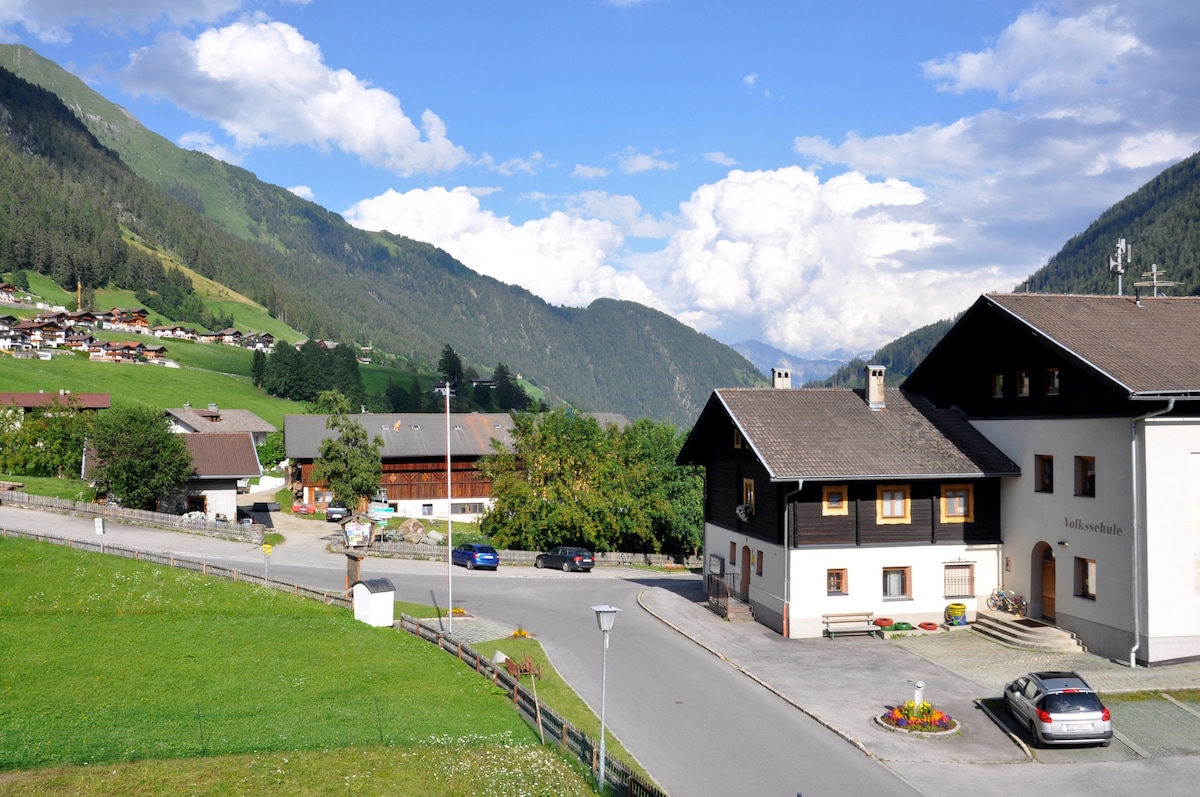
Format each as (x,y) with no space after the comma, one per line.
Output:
(813,175)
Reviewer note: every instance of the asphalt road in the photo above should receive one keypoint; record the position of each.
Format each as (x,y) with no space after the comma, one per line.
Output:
(696,724)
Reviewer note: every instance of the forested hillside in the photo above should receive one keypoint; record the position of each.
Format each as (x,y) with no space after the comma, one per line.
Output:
(312,269)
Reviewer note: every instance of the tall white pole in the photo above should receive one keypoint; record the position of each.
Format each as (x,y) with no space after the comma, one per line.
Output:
(603,689)
(449,527)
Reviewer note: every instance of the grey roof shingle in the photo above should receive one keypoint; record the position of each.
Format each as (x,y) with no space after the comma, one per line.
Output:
(833,434)
(1147,346)
(219,421)
(405,434)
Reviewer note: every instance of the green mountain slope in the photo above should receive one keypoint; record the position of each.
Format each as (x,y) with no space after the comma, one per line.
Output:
(331,280)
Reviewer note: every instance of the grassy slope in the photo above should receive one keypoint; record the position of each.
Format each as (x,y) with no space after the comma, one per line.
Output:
(149,385)
(151,663)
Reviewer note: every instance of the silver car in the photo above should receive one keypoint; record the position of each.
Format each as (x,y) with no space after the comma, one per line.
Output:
(1058,708)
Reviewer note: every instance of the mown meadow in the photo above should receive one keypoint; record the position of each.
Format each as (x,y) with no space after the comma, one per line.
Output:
(125,678)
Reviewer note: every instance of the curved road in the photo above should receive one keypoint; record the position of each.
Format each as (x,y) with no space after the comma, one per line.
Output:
(694,722)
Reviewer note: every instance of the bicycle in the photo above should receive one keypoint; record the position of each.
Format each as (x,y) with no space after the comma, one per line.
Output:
(1005,600)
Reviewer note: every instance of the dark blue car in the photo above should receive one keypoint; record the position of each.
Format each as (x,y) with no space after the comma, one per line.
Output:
(472,555)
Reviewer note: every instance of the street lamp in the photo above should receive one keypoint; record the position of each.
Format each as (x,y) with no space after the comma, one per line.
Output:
(605,615)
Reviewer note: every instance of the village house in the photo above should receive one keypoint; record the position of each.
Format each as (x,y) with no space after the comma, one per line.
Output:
(1046,444)
(214,420)
(413,457)
(219,462)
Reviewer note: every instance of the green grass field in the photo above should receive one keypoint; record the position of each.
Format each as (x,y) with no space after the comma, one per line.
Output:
(150,385)
(125,678)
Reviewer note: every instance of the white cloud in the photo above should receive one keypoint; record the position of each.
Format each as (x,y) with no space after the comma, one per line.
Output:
(623,211)
(582,172)
(531,165)
(750,79)
(265,85)
(562,258)
(203,142)
(817,265)
(304,192)
(633,162)
(51,21)
(720,158)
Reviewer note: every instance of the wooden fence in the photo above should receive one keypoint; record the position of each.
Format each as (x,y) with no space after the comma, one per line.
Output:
(233,531)
(620,779)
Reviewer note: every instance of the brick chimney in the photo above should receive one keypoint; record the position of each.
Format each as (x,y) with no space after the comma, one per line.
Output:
(874,378)
(781,379)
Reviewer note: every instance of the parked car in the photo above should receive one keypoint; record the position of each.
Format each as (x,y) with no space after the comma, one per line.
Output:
(302,509)
(1058,708)
(567,557)
(336,512)
(473,554)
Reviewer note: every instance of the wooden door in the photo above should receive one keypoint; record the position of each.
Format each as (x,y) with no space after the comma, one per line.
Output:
(744,585)
(1048,571)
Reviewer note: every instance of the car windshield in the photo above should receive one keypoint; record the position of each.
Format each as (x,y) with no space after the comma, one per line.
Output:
(1071,702)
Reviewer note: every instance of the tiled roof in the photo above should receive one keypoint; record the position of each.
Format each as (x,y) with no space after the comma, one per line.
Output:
(406,434)
(223,455)
(833,434)
(230,420)
(1146,346)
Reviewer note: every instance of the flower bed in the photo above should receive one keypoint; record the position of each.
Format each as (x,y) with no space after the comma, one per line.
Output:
(919,718)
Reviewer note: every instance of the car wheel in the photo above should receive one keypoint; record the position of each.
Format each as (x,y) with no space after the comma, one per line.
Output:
(566,567)
(538,563)
(1034,741)
(470,564)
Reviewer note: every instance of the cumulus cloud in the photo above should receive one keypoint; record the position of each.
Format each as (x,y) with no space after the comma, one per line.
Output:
(51,21)
(203,142)
(562,258)
(633,162)
(303,191)
(531,165)
(720,158)
(265,84)
(582,172)
(814,263)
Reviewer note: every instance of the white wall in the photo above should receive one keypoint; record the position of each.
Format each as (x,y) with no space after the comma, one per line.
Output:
(807,574)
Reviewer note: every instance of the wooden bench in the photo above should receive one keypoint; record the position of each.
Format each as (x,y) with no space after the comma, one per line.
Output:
(849,623)
(518,668)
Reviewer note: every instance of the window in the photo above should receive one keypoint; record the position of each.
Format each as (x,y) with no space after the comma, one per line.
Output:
(748,493)
(1085,476)
(1085,578)
(834,500)
(836,583)
(1051,381)
(958,503)
(896,582)
(1043,473)
(427,509)
(322,496)
(997,385)
(1023,384)
(196,503)
(737,438)
(758,563)
(733,552)
(959,581)
(892,505)
(466,509)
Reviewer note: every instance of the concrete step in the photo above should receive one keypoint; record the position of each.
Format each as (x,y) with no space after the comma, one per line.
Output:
(738,612)
(1025,633)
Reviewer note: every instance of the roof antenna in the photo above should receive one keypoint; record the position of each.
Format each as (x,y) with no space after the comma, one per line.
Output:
(1116,264)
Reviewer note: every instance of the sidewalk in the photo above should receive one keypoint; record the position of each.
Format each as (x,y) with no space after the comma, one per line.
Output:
(845,683)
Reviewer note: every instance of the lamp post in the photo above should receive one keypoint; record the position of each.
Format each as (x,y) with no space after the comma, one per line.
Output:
(605,615)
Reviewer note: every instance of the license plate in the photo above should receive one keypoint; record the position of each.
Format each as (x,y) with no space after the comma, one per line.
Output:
(1072,727)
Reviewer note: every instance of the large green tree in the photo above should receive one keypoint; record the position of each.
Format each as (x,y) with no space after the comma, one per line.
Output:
(348,460)
(139,459)
(567,481)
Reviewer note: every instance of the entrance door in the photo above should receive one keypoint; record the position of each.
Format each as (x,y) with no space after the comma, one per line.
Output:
(744,585)
(1048,571)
